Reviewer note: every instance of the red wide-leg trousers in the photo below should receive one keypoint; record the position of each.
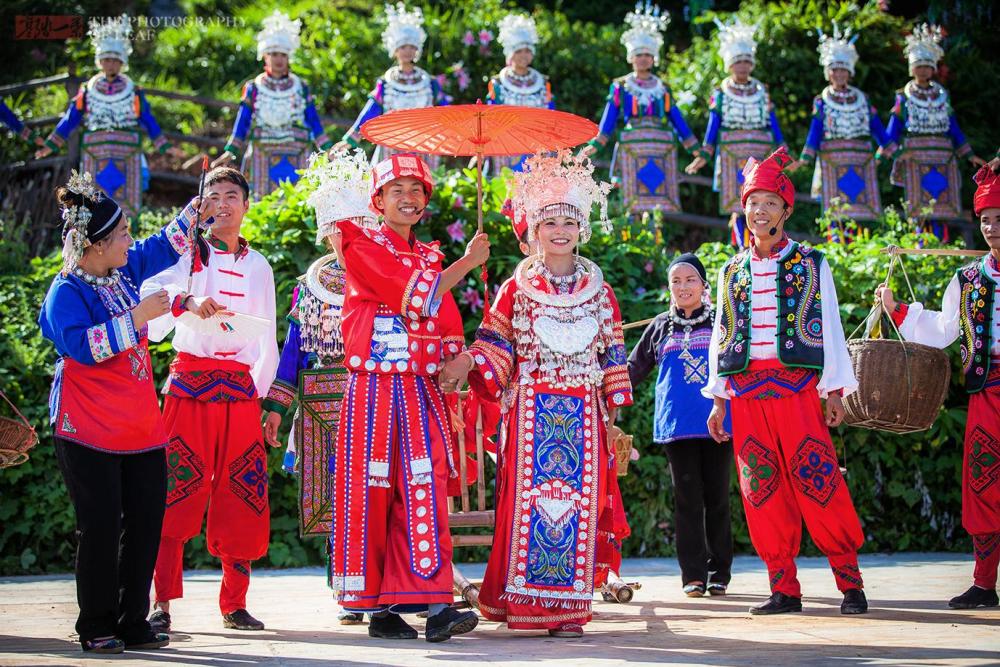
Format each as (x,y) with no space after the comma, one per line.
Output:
(215,460)
(981,480)
(788,474)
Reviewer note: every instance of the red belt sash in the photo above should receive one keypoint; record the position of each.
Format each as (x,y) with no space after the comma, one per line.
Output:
(769,378)
(110,406)
(210,380)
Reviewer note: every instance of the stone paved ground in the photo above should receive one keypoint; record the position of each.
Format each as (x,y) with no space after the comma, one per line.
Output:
(908,625)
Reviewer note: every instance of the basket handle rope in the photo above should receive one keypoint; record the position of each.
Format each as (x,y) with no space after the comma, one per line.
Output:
(878,311)
(16,411)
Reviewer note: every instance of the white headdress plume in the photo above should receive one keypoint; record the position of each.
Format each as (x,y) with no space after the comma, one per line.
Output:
(280,34)
(560,184)
(112,38)
(837,50)
(343,191)
(76,218)
(923,46)
(736,41)
(517,32)
(403,27)
(645,33)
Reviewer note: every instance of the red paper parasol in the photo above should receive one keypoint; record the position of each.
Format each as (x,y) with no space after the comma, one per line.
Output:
(478,130)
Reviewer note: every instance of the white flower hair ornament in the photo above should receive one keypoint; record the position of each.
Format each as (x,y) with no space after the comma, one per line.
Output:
(560,184)
(737,42)
(343,191)
(76,218)
(517,32)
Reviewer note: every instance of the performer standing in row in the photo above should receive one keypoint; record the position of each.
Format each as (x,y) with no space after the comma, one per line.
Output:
(111,458)
(970,313)
(741,124)
(773,359)
(924,128)
(277,118)
(676,345)
(518,83)
(404,85)
(551,351)
(840,136)
(211,407)
(390,551)
(645,157)
(311,370)
(111,107)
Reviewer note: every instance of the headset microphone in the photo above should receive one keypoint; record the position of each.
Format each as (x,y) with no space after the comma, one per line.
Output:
(772,231)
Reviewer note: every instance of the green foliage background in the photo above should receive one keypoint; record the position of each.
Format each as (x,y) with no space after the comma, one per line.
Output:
(906,488)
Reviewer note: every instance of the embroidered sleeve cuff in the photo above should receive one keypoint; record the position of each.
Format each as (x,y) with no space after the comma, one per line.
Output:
(691,145)
(234,147)
(899,313)
(177,307)
(491,370)
(452,345)
(351,141)
(108,339)
(965,150)
(620,399)
(706,151)
(176,230)
(279,398)
(324,142)
(161,144)
(808,154)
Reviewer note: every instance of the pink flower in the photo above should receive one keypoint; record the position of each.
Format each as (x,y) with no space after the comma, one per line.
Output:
(633,454)
(456,231)
(472,298)
(649,266)
(462,77)
(442,80)
(485,37)
(468,38)
(459,202)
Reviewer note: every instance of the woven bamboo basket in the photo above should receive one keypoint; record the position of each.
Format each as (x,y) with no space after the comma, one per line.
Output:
(901,385)
(16,437)
(623,453)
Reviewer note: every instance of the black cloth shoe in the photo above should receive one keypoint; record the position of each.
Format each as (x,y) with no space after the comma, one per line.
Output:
(778,603)
(975,597)
(390,626)
(154,640)
(105,645)
(854,602)
(241,620)
(448,623)
(159,621)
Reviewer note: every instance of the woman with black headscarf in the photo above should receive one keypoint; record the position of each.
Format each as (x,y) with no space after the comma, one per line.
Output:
(676,343)
(108,436)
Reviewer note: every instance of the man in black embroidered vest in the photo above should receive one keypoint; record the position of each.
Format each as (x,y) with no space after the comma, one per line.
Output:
(969,313)
(777,348)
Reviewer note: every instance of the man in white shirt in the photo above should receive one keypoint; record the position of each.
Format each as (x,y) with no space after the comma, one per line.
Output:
(778,347)
(216,456)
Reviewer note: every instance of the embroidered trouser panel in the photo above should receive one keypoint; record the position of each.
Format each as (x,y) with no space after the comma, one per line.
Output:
(215,460)
(390,546)
(788,474)
(981,482)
